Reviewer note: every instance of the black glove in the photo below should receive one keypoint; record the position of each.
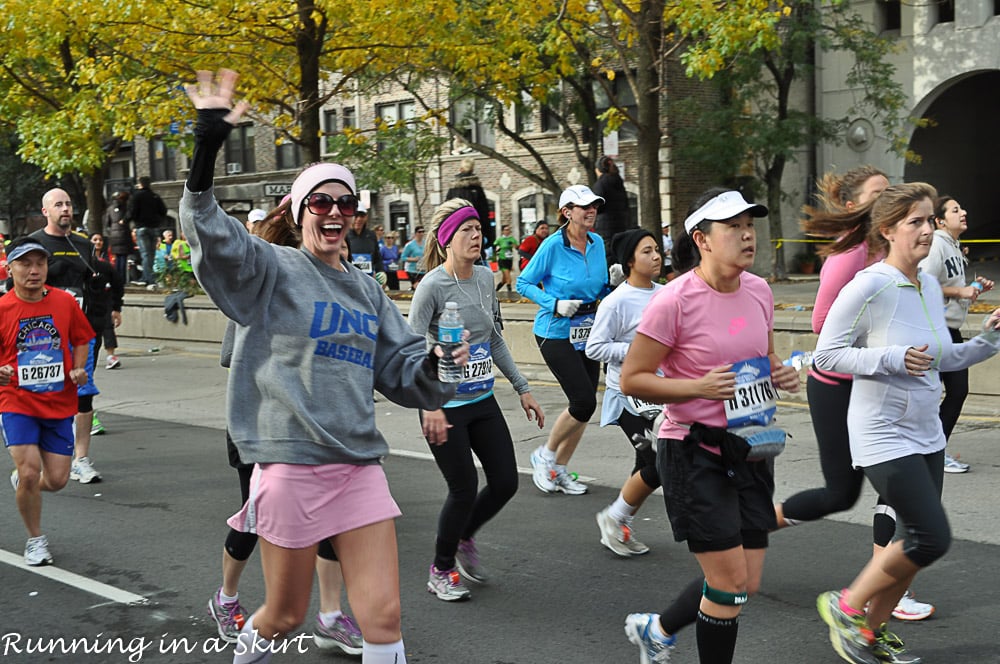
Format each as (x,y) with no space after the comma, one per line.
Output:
(210,132)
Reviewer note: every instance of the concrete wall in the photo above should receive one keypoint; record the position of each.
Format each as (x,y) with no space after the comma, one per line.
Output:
(143,318)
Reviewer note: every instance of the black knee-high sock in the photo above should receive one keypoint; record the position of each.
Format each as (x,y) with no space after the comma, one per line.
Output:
(684,610)
(716,639)
(499,286)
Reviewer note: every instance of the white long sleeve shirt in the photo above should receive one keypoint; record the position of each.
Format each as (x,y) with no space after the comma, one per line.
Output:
(872,323)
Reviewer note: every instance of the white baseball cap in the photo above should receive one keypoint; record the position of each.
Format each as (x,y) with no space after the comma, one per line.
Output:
(256,215)
(724,206)
(362,208)
(578,194)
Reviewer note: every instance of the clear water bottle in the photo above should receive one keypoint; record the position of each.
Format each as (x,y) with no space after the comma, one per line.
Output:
(449,338)
(799,360)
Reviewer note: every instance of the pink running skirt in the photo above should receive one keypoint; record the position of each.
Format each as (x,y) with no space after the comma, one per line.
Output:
(295,506)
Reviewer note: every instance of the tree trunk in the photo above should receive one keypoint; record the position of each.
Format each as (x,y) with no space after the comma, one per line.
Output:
(96,204)
(648,112)
(773,181)
(309,45)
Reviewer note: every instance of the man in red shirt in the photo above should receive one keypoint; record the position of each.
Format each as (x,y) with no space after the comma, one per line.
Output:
(44,342)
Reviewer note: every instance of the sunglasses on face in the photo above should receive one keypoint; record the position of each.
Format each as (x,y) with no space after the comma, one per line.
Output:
(321,204)
(588,206)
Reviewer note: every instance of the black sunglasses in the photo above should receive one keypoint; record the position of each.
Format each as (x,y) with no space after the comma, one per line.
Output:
(588,206)
(321,204)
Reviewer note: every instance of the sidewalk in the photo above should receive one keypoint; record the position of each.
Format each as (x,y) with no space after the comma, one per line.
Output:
(143,322)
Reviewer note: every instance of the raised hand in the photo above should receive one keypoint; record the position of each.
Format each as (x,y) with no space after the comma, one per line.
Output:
(216,91)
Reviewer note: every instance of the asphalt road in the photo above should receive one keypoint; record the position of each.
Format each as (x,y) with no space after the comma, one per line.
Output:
(154,529)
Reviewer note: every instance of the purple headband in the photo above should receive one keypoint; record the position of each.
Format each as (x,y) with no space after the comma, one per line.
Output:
(448,227)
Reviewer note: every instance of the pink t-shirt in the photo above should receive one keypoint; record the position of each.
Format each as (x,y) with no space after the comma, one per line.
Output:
(705,329)
(838,270)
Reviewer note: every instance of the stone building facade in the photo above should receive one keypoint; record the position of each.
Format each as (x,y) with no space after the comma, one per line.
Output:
(949,64)
(252,171)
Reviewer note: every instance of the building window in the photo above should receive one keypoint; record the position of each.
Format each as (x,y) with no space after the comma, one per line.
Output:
(534,208)
(549,121)
(524,115)
(329,129)
(398,111)
(240,153)
(624,99)
(889,16)
(474,120)
(946,11)
(289,155)
(162,160)
(350,118)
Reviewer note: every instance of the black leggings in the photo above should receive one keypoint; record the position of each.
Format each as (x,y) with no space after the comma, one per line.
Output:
(477,428)
(645,459)
(828,406)
(241,545)
(912,486)
(577,374)
(956,389)
(828,409)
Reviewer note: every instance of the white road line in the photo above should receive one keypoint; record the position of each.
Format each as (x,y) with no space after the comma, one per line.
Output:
(74,580)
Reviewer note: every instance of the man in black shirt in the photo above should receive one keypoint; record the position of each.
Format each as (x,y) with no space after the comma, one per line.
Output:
(146,211)
(97,288)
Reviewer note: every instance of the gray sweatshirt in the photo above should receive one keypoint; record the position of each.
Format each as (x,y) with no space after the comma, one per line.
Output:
(480,311)
(311,344)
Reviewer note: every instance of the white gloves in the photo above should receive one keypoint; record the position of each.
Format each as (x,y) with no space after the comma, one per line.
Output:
(566,308)
(616,275)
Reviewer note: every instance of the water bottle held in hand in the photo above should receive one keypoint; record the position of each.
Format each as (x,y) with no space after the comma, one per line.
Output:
(799,360)
(450,329)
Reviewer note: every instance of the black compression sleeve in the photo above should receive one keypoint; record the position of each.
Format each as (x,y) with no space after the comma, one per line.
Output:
(210,132)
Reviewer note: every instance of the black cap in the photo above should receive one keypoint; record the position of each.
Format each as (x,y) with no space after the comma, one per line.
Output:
(623,245)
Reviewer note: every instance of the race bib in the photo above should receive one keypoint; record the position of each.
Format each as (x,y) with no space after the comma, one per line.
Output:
(477,374)
(363,262)
(579,330)
(642,408)
(40,370)
(755,401)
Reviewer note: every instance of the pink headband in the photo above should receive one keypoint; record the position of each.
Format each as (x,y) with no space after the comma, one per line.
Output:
(313,177)
(453,221)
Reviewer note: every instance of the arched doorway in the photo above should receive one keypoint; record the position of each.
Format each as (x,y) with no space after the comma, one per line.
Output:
(959,153)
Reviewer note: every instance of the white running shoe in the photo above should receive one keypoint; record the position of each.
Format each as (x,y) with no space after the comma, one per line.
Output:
(564,482)
(613,533)
(36,551)
(447,585)
(639,630)
(910,609)
(113,362)
(542,472)
(635,547)
(953,465)
(83,472)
